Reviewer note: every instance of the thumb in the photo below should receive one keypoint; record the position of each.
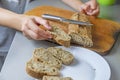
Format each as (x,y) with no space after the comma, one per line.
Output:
(93,7)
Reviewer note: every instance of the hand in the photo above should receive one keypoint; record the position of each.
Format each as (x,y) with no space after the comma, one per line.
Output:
(30,27)
(90,8)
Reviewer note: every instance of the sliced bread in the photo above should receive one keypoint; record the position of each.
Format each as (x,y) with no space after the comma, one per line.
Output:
(38,69)
(47,61)
(55,78)
(80,34)
(46,57)
(60,36)
(63,55)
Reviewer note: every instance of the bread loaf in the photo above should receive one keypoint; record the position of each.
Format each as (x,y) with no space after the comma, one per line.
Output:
(55,78)
(63,55)
(80,34)
(38,69)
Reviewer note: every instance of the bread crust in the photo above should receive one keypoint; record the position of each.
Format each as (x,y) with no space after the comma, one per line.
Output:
(80,34)
(34,74)
(60,36)
(74,28)
(39,72)
(55,78)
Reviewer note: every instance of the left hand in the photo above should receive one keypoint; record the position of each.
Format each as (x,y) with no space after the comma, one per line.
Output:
(90,8)
(29,25)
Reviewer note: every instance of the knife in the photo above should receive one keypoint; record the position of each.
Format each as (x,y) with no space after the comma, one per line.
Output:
(52,17)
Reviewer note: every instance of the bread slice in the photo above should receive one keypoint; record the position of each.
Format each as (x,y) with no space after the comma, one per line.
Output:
(38,69)
(80,34)
(55,78)
(47,61)
(46,57)
(63,55)
(60,36)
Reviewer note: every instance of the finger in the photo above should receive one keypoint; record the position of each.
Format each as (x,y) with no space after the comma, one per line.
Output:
(31,25)
(93,6)
(95,12)
(89,10)
(82,10)
(25,34)
(45,34)
(31,34)
(42,21)
(86,7)
(37,30)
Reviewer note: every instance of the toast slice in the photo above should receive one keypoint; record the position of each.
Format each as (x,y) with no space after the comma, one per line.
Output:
(46,57)
(80,34)
(60,36)
(38,69)
(55,78)
(63,55)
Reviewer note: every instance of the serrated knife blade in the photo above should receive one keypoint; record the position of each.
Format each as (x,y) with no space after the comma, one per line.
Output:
(52,17)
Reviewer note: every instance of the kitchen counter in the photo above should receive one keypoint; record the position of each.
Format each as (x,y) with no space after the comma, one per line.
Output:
(21,48)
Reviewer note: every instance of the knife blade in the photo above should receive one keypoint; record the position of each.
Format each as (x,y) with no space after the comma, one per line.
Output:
(52,17)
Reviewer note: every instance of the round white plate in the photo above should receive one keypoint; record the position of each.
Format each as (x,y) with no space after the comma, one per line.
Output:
(87,65)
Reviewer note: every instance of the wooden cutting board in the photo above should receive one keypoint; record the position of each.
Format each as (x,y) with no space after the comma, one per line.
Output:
(103,31)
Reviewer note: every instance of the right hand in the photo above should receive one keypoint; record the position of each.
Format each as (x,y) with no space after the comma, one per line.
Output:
(30,27)
(90,8)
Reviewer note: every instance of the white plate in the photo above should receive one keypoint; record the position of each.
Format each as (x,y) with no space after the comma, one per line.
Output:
(88,65)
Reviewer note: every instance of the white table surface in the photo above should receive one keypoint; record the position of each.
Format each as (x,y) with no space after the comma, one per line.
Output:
(21,48)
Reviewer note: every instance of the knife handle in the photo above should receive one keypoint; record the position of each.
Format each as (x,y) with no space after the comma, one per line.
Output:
(48,16)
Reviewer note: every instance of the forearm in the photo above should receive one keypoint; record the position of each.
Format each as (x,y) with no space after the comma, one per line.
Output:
(9,19)
(73,3)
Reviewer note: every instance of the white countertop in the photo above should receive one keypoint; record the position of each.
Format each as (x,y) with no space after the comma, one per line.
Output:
(21,48)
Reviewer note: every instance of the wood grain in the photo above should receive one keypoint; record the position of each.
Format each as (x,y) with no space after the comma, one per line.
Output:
(103,31)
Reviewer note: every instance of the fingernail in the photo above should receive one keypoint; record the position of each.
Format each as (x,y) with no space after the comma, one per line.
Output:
(49,27)
(50,36)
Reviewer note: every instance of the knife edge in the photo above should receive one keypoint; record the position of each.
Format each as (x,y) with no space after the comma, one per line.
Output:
(77,22)
(52,17)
